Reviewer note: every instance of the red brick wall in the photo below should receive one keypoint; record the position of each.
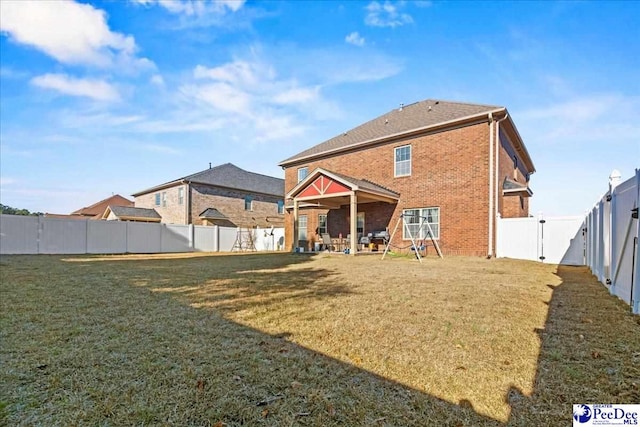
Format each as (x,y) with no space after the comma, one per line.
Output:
(511,206)
(450,170)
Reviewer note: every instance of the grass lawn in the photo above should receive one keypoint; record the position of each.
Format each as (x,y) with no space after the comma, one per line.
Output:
(284,339)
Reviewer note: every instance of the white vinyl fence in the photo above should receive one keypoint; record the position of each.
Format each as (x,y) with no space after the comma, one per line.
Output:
(606,240)
(554,240)
(41,235)
(612,241)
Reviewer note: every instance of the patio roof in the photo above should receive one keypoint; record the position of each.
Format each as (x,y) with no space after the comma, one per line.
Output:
(330,189)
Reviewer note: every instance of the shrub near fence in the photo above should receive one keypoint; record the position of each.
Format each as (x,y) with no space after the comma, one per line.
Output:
(42,235)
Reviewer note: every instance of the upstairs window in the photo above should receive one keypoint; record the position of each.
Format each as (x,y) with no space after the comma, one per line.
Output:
(302,173)
(248,203)
(157,199)
(164,199)
(280,206)
(180,196)
(402,161)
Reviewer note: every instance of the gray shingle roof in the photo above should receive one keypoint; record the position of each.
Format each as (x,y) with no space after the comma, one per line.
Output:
(212,213)
(230,176)
(421,114)
(130,212)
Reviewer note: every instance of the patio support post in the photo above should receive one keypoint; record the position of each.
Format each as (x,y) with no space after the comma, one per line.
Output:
(353,226)
(294,244)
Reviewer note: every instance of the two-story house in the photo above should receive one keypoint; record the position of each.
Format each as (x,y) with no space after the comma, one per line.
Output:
(224,195)
(456,166)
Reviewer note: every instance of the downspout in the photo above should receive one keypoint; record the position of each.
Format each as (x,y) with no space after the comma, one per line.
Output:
(490,244)
(497,179)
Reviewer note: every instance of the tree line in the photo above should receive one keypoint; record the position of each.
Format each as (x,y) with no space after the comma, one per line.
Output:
(8,210)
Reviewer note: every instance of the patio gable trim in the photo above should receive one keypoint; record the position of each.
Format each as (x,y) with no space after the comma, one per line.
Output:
(322,183)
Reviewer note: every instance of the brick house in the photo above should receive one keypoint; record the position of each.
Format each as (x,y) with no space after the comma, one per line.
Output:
(457,165)
(223,195)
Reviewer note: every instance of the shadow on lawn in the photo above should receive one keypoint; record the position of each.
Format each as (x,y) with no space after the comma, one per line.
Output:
(203,369)
(589,353)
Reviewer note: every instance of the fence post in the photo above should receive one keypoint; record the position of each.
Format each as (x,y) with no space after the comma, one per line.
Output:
(216,238)
(191,238)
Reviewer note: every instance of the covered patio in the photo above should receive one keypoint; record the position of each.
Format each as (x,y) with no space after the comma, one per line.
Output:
(329,190)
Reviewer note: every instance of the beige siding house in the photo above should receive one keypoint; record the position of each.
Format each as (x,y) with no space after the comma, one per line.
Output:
(224,195)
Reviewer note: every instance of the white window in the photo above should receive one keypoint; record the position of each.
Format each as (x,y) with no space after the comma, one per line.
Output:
(425,217)
(322,224)
(157,199)
(302,173)
(402,161)
(280,206)
(164,199)
(302,227)
(248,203)
(360,224)
(180,196)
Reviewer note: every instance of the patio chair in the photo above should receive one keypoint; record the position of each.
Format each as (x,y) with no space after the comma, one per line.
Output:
(326,242)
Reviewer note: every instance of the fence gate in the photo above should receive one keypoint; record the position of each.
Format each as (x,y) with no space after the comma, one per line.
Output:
(554,240)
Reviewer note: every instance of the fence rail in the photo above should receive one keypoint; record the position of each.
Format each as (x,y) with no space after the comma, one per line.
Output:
(42,235)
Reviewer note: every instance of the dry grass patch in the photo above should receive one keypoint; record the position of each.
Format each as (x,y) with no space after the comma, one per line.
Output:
(281,339)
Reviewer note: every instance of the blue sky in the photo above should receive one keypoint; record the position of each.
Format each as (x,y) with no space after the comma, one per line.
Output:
(114,97)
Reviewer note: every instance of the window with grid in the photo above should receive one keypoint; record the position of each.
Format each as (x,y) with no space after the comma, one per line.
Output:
(248,203)
(322,224)
(402,161)
(280,206)
(302,227)
(302,173)
(157,199)
(180,196)
(164,199)
(414,219)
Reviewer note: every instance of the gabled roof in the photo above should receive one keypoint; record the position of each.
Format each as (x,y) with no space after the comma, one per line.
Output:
(352,184)
(131,213)
(230,176)
(212,213)
(99,207)
(414,117)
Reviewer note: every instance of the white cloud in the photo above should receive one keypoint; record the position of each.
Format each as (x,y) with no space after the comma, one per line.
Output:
(70,32)
(6,181)
(355,39)
(297,95)
(386,15)
(157,80)
(196,7)
(90,88)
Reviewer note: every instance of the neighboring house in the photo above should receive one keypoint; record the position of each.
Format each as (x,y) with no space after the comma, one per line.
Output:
(127,213)
(95,211)
(223,195)
(459,165)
